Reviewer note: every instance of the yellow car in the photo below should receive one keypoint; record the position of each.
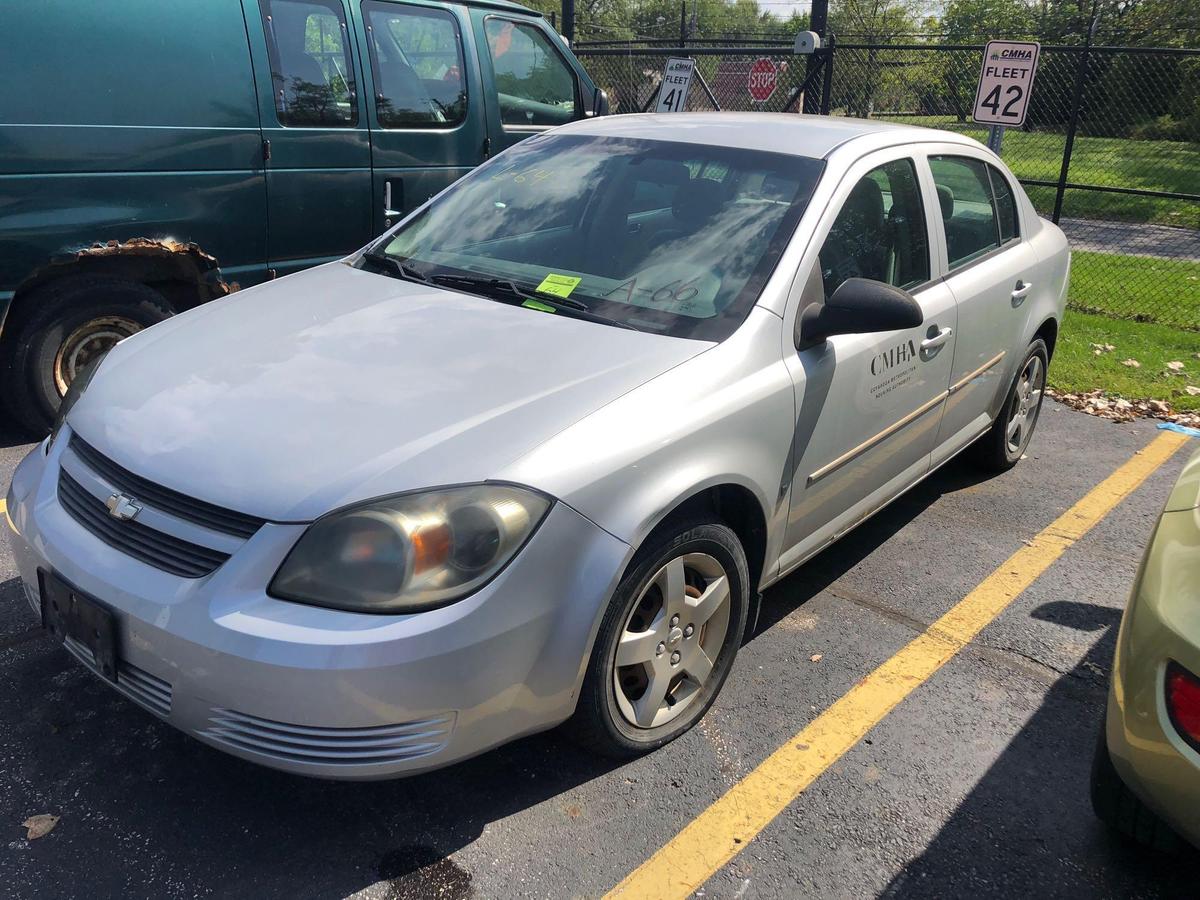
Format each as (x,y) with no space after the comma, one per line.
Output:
(1146,773)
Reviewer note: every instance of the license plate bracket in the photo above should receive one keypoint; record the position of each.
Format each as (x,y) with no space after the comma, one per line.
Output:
(68,613)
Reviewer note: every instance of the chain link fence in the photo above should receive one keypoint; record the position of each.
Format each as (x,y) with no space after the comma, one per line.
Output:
(1110,149)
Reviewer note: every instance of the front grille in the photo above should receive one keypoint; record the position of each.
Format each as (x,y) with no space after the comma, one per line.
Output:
(330,746)
(164,499)
(137,684)
(152,547)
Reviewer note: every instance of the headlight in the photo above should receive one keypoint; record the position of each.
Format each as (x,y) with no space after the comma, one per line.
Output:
(74,391)
(409,552)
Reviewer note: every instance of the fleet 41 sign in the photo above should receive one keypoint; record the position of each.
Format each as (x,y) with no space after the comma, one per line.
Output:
(1005,82)
(676,79)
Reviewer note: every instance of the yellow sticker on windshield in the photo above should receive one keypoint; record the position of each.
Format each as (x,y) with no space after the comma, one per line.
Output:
(558,285)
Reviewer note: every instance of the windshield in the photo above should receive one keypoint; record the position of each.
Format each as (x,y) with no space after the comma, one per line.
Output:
(667,237)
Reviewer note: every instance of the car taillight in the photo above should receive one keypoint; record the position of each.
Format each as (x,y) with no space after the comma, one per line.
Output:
(1183,703)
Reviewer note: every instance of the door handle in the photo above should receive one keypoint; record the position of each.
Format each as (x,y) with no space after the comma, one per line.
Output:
(932,343)
(1021,290)
(388,212)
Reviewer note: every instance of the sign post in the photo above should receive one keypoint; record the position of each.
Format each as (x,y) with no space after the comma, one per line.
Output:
(676,80)
(1005,85)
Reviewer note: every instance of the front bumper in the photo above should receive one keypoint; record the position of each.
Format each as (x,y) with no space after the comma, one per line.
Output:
(324,692)
(1161,623)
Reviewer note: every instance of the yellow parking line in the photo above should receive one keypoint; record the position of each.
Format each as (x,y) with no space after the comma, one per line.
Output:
(725,828)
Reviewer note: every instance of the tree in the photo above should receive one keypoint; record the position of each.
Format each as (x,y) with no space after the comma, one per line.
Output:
(871,22)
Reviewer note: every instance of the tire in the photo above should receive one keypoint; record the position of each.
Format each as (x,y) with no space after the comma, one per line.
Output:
(618,715)
(995,451)
(71,322)
(1121,810)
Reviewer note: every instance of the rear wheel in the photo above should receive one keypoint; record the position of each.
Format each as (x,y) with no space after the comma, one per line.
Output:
(667,641)
(1003,445)
(73,322)
(1120,809)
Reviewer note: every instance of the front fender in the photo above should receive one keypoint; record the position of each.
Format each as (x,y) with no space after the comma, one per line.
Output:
(725,416)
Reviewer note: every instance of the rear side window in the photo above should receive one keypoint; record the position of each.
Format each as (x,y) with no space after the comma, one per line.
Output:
(312,77)
(533,82)
(1006,206)
(417,61)
(964,186)
(880,232)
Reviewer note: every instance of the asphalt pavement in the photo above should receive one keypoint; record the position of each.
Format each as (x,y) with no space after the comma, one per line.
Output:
(975,784)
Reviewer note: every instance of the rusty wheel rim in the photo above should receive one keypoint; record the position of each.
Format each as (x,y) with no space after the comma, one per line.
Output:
(90,340)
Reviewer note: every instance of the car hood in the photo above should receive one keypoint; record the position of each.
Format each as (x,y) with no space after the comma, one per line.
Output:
(337,385)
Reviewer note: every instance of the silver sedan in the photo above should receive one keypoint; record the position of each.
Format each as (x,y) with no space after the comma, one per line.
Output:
(531,457)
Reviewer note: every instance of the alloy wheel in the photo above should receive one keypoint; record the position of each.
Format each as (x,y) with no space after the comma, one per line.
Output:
(671,640)
(1027,403)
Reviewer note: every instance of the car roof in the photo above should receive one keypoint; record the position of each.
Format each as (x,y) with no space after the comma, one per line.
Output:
(800,135)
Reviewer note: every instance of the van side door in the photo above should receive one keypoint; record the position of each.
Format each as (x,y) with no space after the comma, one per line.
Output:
(426,103)
(316,143)
(990,269)
(531,84)
(867,405)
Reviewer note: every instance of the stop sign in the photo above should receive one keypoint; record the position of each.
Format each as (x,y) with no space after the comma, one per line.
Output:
(761,80)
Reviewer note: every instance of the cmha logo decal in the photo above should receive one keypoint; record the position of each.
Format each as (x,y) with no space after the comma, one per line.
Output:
(893,356)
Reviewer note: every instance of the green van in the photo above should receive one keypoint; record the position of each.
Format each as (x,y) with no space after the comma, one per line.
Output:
(157,155)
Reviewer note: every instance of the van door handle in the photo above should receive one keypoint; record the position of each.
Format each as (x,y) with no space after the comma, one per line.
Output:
(388,212)
(932,343)
(1020,291)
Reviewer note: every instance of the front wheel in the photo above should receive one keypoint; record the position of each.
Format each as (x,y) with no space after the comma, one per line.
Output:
(72,323)
(667,641)
(1003,445)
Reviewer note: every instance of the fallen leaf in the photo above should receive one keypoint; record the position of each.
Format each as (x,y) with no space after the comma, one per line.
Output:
(816,657)
(39,826)
(1132,363)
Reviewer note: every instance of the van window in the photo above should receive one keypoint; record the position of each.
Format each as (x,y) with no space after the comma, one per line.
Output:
(312,77)
(880,231)
(533,82)
(968,216)
(417,60)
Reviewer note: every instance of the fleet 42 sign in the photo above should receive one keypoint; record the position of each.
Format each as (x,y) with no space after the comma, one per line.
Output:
(1005,82)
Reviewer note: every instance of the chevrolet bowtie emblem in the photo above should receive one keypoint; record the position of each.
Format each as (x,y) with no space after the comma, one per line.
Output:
(122,507)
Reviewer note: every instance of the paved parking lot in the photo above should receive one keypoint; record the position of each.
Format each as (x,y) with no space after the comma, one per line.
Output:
(976,783)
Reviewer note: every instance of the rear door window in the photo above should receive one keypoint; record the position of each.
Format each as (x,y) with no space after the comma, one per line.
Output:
(534,84)
(968,212)
(417,60)
(312,76)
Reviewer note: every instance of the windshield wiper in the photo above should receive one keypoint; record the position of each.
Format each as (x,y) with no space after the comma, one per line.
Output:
(509,292)
(393,266)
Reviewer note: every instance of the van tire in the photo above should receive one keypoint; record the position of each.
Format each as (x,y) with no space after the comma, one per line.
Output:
(69,321)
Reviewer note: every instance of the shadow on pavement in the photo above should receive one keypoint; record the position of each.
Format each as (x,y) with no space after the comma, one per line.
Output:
(783,598)
(1012,836)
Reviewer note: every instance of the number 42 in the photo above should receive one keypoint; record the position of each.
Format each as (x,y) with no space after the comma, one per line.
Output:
(992,100)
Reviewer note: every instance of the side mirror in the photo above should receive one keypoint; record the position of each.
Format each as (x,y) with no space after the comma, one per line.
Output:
(859,306)
(600,106)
